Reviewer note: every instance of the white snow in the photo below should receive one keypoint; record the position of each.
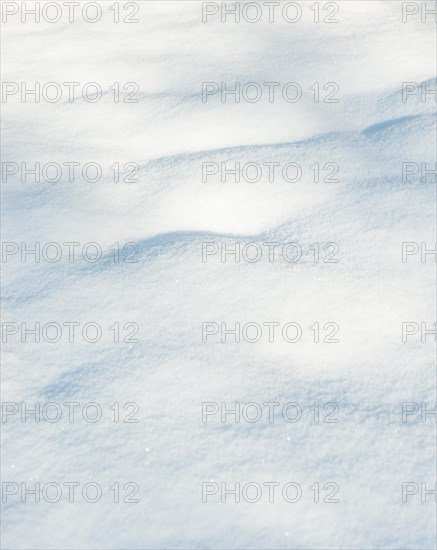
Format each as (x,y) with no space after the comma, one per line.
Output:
(170,292)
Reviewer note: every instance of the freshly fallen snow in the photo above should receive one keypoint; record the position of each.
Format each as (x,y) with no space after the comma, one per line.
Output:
(170,291)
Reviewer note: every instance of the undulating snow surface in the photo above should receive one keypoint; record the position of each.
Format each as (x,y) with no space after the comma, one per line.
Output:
(169,292)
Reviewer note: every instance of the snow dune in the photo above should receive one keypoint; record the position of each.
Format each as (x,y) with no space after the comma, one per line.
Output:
(171,134)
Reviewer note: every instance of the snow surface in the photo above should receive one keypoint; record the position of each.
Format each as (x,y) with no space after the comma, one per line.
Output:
(170,291)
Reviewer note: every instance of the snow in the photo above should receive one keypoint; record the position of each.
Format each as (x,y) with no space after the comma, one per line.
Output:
(169,292)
